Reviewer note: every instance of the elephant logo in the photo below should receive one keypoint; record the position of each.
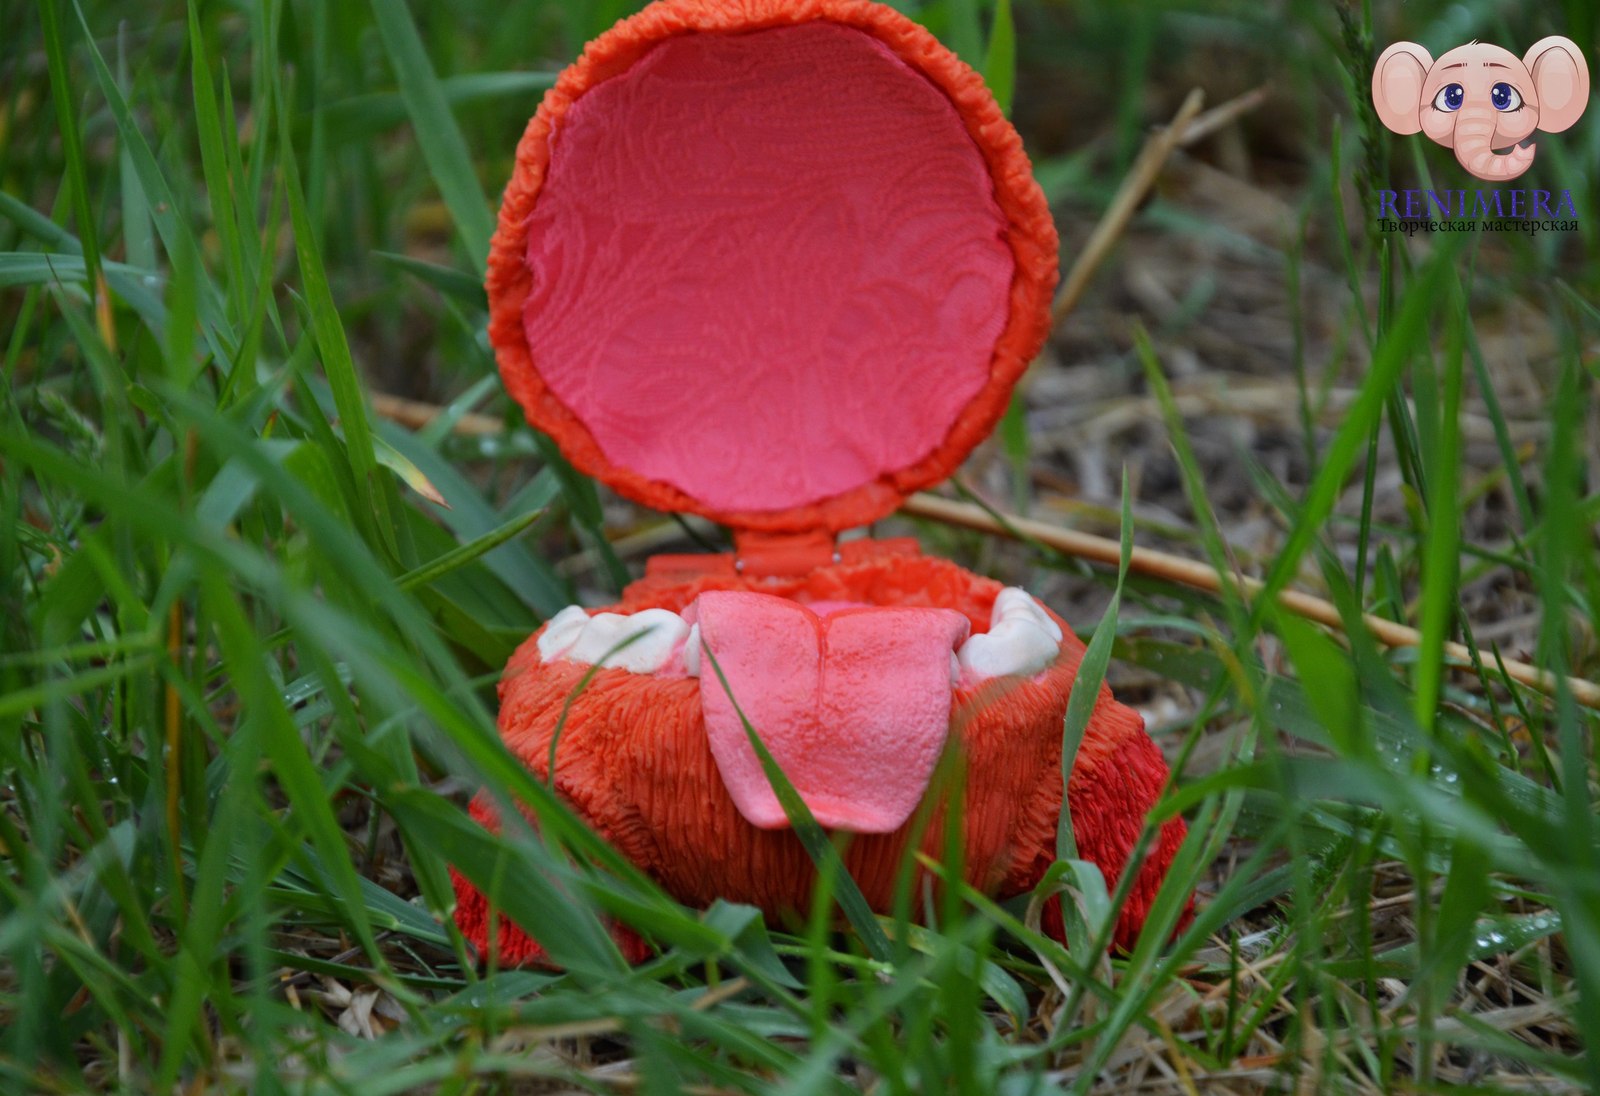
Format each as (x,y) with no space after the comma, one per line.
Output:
(1478,98)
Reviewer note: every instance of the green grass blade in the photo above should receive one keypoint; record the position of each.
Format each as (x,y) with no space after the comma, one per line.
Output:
(1442,552)
(821,850)
(1088,687)
(361,114)
(1000,59)
(443,147)
(1393,351)
(71,138)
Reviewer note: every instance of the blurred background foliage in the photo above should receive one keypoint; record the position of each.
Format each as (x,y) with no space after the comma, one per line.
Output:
(254,604)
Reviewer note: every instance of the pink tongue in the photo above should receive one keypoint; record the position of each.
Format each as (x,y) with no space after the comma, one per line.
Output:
(854,707)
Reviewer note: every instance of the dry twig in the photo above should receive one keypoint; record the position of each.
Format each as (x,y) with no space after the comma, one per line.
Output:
(1095,549)
(1135,185)
(1193,573)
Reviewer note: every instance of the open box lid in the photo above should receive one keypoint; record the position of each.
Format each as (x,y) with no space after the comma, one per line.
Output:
(775,262)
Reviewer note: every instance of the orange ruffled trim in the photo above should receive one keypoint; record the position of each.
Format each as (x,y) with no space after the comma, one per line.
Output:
(1031,235)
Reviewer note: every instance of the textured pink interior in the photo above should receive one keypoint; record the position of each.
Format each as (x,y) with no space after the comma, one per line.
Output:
(767,267)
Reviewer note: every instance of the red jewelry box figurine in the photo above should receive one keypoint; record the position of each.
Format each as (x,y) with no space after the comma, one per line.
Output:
(779,263)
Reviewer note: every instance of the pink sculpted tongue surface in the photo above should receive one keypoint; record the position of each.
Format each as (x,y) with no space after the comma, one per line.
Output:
(854,706)
(828,608)
(766,268)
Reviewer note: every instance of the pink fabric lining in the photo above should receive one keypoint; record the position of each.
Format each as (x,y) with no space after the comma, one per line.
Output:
(767,267)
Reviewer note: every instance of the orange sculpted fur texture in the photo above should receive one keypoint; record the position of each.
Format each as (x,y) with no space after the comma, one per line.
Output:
(634,760)
(634,757)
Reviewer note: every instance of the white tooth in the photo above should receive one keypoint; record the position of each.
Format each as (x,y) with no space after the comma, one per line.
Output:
(1015,602)
(1017,645)
(691,651)
(658,632)
(955,669)
(562,632)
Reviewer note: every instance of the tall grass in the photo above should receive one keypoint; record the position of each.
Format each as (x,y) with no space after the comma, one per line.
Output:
(248,659)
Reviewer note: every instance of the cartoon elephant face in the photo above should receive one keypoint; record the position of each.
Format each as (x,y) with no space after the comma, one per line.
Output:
(1478,97)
